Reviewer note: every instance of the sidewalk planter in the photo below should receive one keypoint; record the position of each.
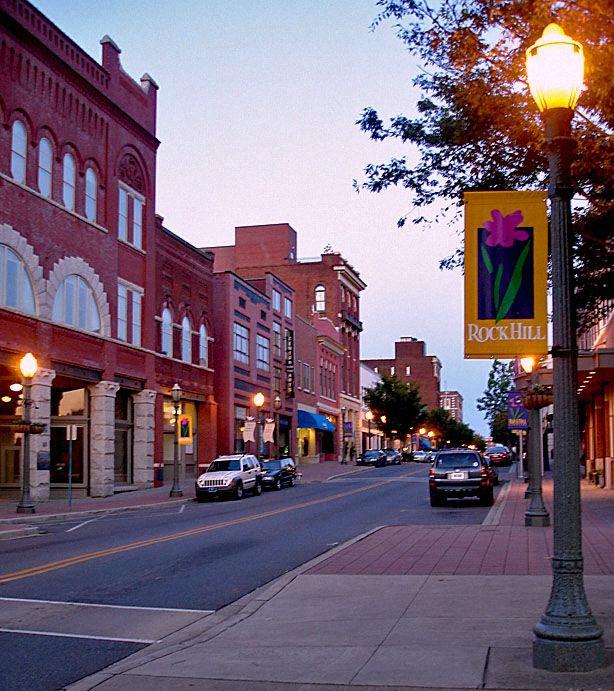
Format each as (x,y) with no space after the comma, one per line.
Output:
(537,397)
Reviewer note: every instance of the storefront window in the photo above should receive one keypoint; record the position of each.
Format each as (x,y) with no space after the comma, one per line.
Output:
(64,403)
(123,437)
(68,408)
(240,417)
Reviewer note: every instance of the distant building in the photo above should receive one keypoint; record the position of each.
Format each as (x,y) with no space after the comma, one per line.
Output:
(371,437)
(452,401)
(412,365)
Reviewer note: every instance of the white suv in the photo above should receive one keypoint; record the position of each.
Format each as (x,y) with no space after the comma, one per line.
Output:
(230,475)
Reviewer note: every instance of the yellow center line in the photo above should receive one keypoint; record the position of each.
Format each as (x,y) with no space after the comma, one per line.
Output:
(80,559)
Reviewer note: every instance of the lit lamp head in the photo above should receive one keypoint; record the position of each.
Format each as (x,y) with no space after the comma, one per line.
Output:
(28,366)
(422,430)
(176,394)
(383,419)
(555,69)
(259,399)
(369,415)
(276,402)
(527,364)
(431,434)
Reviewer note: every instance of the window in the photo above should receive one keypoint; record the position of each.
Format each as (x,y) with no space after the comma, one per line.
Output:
(45,158)
(277,378)
(186,340)
(313,380)
(137,222)
(15,285)
(240,343)
(68,182)
(122,218)
(392,371)
(276,300)
(18,152)
(91,194)
(276,339)
(375,370)
(407,370)
(240,417)
(299,374)
(136,317)
(167,332)
(203,346)
(74,304)
(122,312)
(262,352)
(305,376)
(130,206)
(288,308)
(320,298)
(127,298)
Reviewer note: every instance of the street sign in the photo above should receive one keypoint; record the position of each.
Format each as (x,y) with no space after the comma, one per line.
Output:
(71,432)
(506,254)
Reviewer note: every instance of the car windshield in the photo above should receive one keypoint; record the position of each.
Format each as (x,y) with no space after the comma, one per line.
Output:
(370,454)
(271,465)
(458,460)
(496,449)
(224,465)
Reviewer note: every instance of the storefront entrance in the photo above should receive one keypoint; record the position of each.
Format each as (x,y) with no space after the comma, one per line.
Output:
(69,407)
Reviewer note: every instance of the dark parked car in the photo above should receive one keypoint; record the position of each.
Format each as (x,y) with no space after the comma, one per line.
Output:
(499,455)
(460,473)
(393,457)
(372,457)
(278,473)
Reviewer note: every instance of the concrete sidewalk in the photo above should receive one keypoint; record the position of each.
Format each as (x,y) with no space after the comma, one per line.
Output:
(394,608)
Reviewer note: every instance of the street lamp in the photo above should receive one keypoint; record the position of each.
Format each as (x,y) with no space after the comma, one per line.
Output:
(29,367)
(276,408)
(258,402)
(383,420)
(567,638)
(422,430)
(176,490)
(368,418)
(536,514)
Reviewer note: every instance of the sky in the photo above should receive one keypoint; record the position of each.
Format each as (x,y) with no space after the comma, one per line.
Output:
(257,108)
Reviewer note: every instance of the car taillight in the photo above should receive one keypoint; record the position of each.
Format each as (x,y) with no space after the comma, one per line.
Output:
(431,472)
(484,471)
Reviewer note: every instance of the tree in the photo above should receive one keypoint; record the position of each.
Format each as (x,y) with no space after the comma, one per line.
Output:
(476,126)
(398,402)
(499,432)
(446,430)
(494,401)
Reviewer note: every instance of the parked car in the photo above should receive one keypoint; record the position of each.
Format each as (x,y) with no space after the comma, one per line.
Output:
(393,457)
(278,473)
(460,473)
(230,476)
(499,455)
(372,457)
(422,457)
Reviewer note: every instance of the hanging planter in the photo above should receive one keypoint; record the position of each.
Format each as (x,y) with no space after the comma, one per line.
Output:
(537,397)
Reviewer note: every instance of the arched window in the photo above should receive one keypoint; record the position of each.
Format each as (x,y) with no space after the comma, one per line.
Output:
(18,152)
(69,180)
(45,159)
(186,340)
(15,285)
(75,305)
(91,194)
(167,332)
(203,346)
(320,298)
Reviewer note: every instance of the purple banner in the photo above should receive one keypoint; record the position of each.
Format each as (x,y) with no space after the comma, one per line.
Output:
(517,415)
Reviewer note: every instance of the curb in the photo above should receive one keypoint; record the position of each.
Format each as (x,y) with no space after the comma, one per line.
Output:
(44,517)
(211,625)
(493,517)
(18,532)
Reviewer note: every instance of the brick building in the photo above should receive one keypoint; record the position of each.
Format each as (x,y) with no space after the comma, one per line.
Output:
(452,401)
(328,285)
(80,253)
(412,365)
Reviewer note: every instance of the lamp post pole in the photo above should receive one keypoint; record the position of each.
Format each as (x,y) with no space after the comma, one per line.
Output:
(176,490)
(536,514)
(28,367)
(567,637)
(258,402)
(276,407)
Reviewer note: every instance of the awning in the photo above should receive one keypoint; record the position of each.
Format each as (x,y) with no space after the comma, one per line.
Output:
(306,419)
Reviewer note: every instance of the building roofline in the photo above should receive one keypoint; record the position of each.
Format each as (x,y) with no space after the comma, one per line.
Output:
(203,253)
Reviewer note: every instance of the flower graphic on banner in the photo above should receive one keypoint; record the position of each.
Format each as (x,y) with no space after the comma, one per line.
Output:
(505,262)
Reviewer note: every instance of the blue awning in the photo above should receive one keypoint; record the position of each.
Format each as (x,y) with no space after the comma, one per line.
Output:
(306,419)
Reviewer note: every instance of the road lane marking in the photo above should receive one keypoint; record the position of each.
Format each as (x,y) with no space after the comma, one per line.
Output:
(145,641)
(92,604)
(182,508)
(110,551)
(80,525)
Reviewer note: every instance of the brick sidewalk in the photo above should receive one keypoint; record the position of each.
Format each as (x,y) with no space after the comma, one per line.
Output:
(508,548)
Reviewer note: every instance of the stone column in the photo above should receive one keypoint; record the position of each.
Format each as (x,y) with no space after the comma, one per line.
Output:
(102,438)
(143,437)
(40,451)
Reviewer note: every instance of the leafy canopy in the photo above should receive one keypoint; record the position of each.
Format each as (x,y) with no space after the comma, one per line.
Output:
(476,127)
(493,402)
(398,402)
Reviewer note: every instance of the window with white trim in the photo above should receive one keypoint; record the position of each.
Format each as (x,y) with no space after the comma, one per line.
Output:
(240,346)
(122,312)
(186,339)
(288,308)
(262,352)
(19,141)
(276,300)
(130,217)
(45,167)
(407,370)
(91,194)
(69,180)
(203,346)
(393,371)
(15,285)
(129,314)
(167,332)
(277,339)
(320,298)
(75,305)
(137,299)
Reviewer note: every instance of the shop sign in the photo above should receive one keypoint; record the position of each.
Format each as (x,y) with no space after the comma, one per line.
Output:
(289,357)
(249,430)
(506,255)
(517,415)
(185,429)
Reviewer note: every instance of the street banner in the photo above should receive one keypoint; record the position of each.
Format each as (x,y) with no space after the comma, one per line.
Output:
(517,414)
(348,429)
(506,264)
(289,362)
(185,429)
(249,429)
(269,431)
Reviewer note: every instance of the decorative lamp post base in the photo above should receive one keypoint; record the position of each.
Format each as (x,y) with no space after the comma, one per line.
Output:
(26,508)
(568,656)
(537,520)
(175,493)
(527,494)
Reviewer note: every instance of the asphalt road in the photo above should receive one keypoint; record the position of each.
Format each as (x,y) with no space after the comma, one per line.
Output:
(90,592)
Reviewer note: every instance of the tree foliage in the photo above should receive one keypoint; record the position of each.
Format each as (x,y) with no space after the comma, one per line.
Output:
(398,402)
(447,431)
(476,127)
(493,403)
